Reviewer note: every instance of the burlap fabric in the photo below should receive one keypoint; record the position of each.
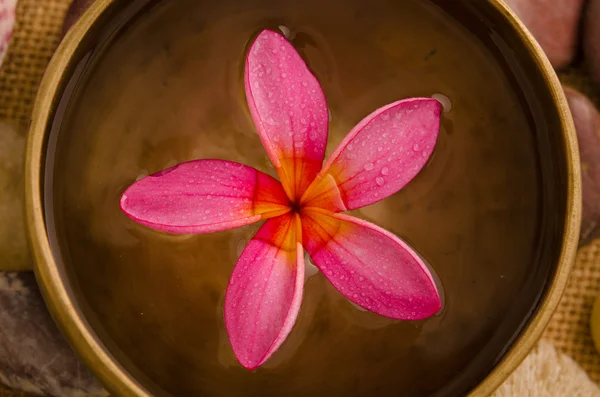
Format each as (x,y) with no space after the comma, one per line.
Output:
(36,35)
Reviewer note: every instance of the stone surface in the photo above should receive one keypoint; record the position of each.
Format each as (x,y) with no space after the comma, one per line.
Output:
(591,38)
(554,23)
(33,355)
(587,124)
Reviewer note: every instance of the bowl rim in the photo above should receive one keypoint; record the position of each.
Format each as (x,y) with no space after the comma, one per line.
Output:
(58,294)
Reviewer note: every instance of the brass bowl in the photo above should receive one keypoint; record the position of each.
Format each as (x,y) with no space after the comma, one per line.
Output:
(60,291)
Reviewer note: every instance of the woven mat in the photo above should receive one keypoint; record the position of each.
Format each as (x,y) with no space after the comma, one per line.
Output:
(36,36)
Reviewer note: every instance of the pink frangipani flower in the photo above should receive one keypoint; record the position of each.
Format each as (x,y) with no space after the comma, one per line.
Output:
(368,265)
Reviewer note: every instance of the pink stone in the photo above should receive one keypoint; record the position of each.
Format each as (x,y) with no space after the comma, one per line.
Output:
(7,21)
(587,124)
(591,38)
(554,24)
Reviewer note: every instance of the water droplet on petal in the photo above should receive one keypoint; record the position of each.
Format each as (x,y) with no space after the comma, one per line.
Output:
(283,75)
(350,146)
(369,166)
(380,181)
(416,147)
(385,171)
(424,153)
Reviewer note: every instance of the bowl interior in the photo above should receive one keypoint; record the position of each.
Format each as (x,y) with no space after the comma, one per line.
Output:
(161,82)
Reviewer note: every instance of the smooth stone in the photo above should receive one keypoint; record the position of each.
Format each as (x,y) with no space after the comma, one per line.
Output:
(591,38)
(587,124)
(34,357)
(554,24)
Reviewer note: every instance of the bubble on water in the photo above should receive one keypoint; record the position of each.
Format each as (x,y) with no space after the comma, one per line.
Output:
(285,31)
(362,309)
(444,101)
(380,181)
(141,176)
(309,268)
(239,248)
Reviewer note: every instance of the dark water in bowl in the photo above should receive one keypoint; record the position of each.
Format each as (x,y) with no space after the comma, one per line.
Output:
(169,88)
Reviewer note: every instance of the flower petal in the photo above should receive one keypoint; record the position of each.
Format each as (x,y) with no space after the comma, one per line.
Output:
(265,291)
(204,196)
(384,152)
(289,110)
(370,266)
